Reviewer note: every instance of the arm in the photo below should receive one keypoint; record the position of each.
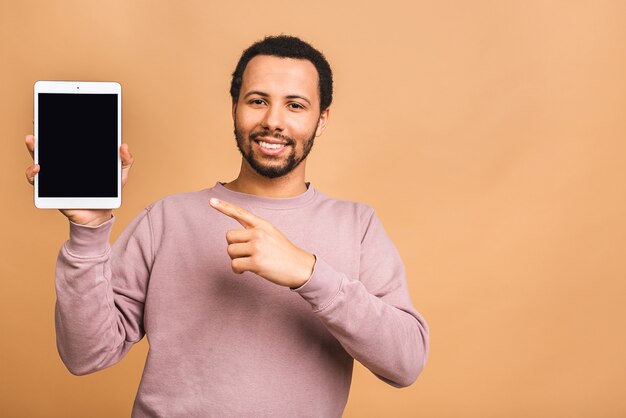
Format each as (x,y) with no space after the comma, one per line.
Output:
(100,293)
(372,315)
(98,313)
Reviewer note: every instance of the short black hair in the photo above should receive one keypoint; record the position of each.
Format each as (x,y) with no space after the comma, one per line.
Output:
(285,46)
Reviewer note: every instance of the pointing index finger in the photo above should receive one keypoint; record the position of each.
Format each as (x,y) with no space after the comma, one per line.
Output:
(246,218)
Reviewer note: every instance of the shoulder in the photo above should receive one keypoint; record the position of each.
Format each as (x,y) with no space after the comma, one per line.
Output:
(347,208)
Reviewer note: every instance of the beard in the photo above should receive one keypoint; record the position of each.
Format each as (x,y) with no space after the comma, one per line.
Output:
(288,164)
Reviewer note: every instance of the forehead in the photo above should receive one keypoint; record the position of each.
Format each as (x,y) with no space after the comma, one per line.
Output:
(280,76)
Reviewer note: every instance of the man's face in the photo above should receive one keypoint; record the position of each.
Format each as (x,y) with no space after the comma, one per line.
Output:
(277,115)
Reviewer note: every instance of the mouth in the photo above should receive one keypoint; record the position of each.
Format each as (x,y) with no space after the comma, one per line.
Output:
(270,146)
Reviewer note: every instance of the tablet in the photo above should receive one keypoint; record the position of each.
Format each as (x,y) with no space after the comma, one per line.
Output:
(78,134)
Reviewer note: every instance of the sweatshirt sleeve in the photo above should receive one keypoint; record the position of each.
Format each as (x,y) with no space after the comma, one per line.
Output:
(100,293)
(372,315)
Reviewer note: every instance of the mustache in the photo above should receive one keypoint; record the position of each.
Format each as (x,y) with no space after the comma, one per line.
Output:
(268,134)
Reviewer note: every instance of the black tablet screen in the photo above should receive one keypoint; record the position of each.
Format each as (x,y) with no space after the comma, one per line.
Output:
(77,142)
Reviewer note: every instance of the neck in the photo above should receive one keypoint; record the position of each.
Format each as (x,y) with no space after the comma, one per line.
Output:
(250,182)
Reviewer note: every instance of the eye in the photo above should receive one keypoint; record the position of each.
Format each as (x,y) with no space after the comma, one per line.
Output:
(257,102)
(295,105)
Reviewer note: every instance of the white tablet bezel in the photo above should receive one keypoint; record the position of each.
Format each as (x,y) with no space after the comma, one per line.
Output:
(79,87)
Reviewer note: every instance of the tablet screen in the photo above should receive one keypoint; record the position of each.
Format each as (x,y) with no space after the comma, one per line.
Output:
(78,145)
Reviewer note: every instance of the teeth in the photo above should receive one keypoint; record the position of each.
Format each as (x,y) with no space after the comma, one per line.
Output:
(271,146)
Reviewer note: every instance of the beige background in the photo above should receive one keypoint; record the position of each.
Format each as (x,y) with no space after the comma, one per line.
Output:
(489,136)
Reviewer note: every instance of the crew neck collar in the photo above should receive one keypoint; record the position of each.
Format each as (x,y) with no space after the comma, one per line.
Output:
(246,199)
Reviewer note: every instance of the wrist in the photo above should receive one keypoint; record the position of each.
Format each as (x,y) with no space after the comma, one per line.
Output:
(93,222)
(100,220)
(307,270)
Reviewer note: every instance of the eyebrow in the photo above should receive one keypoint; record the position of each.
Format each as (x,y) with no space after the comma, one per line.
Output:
(263,94)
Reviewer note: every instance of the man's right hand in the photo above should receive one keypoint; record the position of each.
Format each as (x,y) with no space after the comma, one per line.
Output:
(90,217)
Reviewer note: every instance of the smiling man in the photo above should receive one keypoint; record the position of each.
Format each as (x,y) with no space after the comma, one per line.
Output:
(280,98)
(256,295)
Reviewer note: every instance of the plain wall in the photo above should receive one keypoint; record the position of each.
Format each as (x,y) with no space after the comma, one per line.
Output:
(489,136)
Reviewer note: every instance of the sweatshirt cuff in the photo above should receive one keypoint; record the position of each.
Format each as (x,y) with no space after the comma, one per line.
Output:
(89,241)
(323,285)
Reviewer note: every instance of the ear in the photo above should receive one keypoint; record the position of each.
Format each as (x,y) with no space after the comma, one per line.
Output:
(321,123)
(234,109)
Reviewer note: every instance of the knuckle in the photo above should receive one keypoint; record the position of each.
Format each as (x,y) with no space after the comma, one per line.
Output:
(29,177)
(257,259)
(235,265)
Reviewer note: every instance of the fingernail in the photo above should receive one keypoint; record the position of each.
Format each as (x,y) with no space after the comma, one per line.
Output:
(214,201)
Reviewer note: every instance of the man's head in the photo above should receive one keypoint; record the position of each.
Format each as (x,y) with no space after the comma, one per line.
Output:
(281,92)
(287,47)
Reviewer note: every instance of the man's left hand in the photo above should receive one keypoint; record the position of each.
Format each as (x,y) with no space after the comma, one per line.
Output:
(263,249)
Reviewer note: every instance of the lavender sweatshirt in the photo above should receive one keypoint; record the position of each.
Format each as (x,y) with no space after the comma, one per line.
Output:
(230,345)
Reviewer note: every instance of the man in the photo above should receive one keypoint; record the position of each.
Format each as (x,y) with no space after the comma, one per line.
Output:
(266,324)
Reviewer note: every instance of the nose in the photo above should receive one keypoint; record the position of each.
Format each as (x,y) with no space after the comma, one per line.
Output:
(273,120)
